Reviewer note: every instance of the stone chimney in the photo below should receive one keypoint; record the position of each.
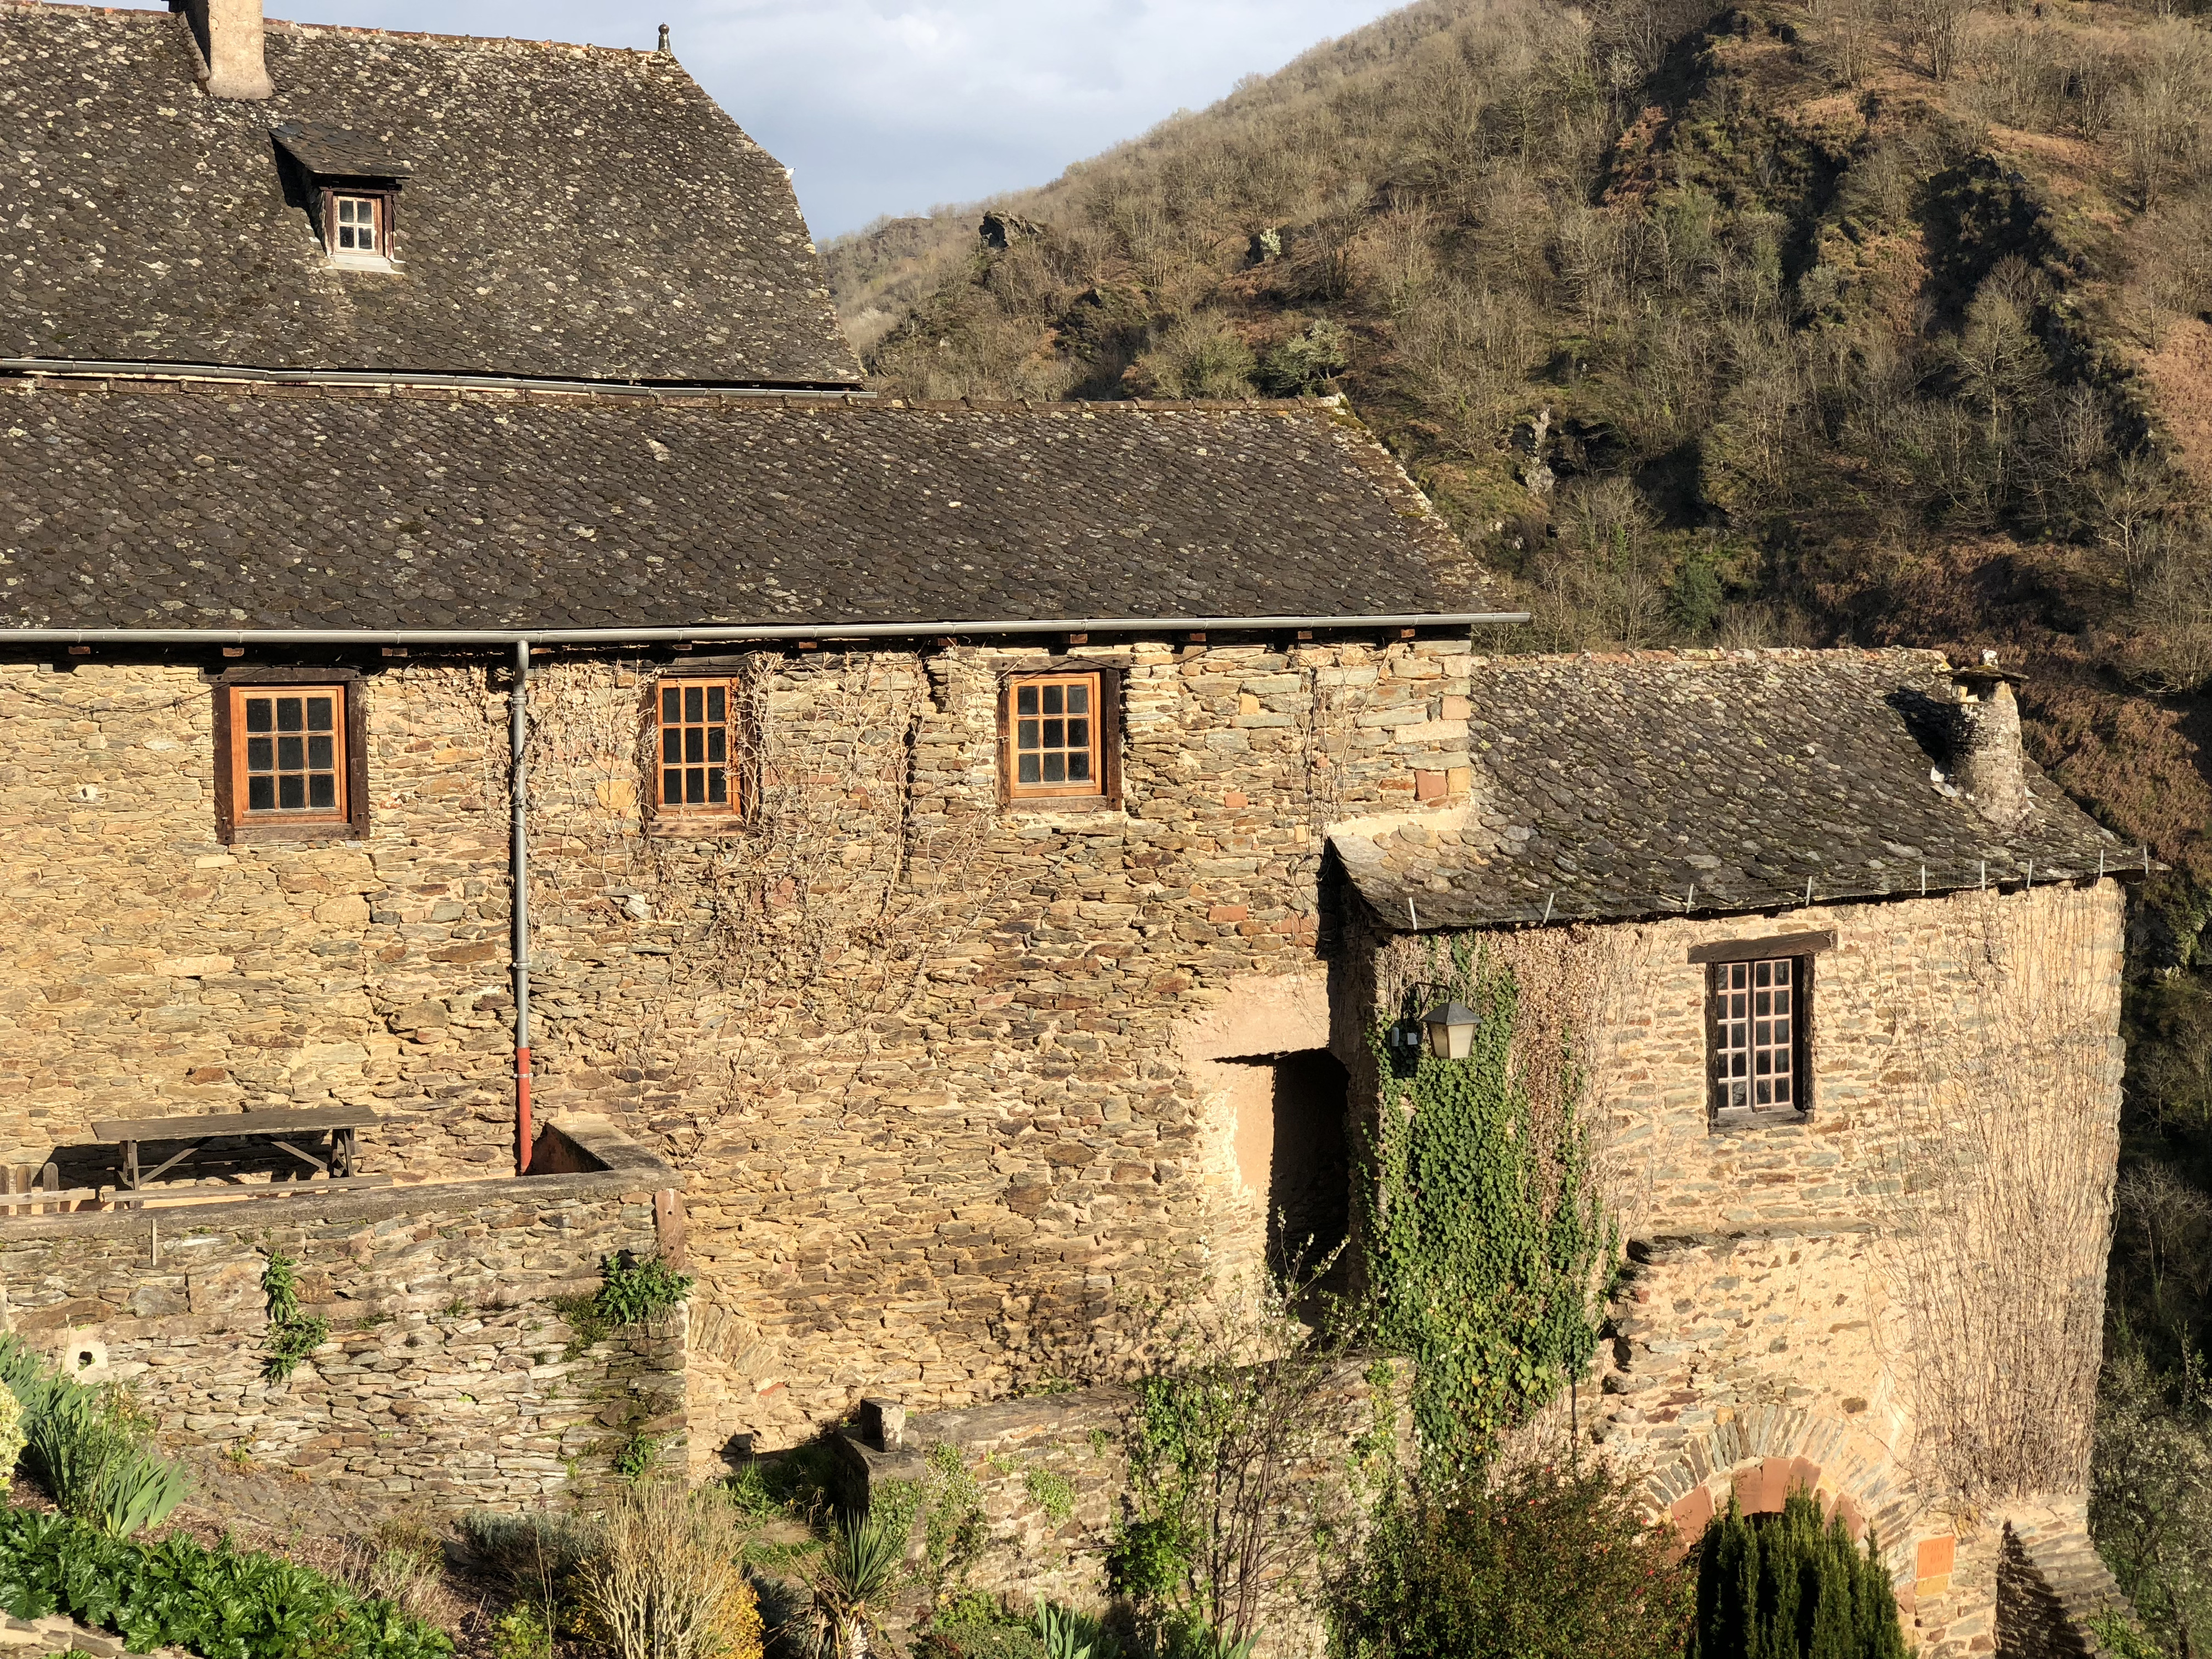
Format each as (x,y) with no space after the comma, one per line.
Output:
(1986,760)
(229,33)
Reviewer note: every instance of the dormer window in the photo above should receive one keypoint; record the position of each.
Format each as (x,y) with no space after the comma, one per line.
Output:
(350,182)
(357,224)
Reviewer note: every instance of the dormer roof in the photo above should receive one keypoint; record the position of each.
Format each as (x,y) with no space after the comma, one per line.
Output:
(574,213)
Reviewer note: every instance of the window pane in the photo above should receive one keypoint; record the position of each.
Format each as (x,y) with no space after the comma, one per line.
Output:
(717,788)
(1078,734)
(1055,734)
(718,743)
(1027,770)
(291,754)
(671,787)
(670,705)
(319,753)
(258,717)
(695,742)
(289,716)
(1079,699)
(1053,697)
(716,702)
(322,790)
(1763,973)
(1055,767)
(261,754)
(1025,700)
(694,787)
(1028,734)
(261,794)
(291,792)
(318,713)
(694,703)
(1079,767)
(671,743)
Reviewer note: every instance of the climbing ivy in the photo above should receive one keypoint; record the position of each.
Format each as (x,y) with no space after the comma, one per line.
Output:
(1489,1248)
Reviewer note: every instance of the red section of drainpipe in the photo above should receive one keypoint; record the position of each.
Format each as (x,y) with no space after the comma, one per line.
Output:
(523,1135)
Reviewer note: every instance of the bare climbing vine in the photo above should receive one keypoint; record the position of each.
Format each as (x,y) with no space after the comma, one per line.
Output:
(1997,1201)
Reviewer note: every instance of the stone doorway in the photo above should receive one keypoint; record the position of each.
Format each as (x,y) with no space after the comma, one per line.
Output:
(1292,1152)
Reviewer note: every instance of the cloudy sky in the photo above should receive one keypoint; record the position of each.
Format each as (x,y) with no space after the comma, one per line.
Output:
(893,106)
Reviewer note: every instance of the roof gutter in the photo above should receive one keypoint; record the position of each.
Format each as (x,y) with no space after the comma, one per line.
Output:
(94,368)
(763,633)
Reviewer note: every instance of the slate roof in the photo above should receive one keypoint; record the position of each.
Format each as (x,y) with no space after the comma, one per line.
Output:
(195,504)
(570,212)
(1609,787)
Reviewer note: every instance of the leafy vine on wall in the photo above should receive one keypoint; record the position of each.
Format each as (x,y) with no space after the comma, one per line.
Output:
(1489,1244)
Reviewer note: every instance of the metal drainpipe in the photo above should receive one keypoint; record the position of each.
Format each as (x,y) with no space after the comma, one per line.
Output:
(518,732)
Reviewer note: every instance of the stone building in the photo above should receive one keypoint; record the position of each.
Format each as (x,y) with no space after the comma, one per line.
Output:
(969,852)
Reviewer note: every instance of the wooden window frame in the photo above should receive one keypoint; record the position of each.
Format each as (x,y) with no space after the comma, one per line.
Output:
(387,223)
(683,817)
(1717,965)
(234,825)
(1105,787)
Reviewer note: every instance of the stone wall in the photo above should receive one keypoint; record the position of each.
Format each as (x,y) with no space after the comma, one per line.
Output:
(924,1050)
(449,1376)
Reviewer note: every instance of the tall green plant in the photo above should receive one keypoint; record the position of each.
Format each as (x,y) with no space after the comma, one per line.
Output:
(90,1447)
(1786,1587)
(1488,1246)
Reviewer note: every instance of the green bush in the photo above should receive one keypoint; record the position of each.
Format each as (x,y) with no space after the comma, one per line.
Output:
(222,1603)
(630,1293)
(90,1447)
(1544,1565)
(1786,1587)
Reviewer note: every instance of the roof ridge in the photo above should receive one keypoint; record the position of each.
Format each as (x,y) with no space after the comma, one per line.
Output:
(288,26)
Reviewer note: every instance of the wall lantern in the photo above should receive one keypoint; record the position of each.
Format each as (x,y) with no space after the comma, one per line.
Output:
(1451,1029)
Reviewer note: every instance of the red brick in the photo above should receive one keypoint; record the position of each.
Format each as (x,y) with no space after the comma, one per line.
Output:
(1229,913)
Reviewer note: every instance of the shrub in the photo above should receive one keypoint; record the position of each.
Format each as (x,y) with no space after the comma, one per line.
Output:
(1543,1564)
(177,1594)
(11,1435)
(89,1447)
(852,1581)
(1786,1587)
(630,1293)
(663,1581)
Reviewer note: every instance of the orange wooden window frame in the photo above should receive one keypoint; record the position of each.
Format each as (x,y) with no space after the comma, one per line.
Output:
(707,728)
(380,202)
(1092,684)
(243,812)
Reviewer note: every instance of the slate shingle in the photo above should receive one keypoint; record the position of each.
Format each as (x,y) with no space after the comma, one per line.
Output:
(1612,786)
(197,505)
(571,212)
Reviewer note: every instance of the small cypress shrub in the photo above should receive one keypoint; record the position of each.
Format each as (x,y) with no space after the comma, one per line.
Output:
(1786,1587)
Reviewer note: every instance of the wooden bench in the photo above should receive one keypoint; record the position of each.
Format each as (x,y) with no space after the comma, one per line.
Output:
(333,1162)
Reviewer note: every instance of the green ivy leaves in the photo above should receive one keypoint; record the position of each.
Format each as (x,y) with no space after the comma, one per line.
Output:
(1489,1247)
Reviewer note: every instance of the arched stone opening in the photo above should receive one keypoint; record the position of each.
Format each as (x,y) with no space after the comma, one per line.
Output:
(1760,1456)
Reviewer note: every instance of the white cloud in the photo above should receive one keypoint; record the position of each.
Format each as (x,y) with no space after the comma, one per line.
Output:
(890,106)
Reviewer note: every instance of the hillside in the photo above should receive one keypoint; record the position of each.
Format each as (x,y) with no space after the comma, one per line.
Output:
(1878,320)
